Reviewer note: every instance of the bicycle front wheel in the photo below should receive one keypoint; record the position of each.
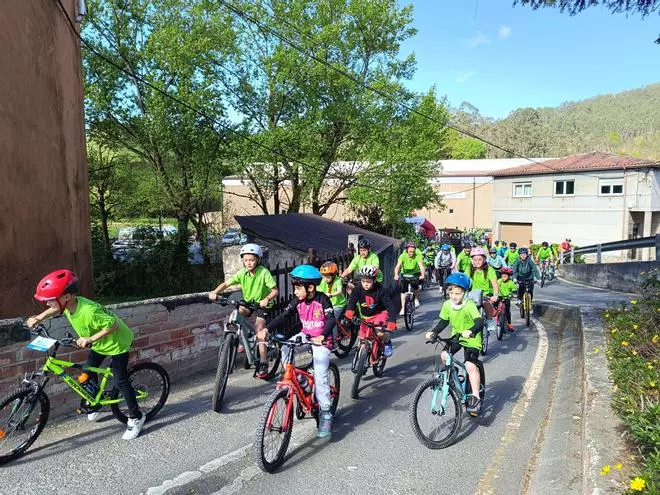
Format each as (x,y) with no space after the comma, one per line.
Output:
(361,365)
(435,420)
(501,324)
(225,365)
(528,308)
(274,431)
(23,417)
(346,336)
(409,312)
(542,278)
(152,387)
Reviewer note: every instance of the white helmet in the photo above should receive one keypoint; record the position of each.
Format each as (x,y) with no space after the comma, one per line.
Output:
(252,249)
(368,271)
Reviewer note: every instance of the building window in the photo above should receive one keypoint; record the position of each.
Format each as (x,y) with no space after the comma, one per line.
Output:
(564,188)
(610,187)
(522,190)
(451,210)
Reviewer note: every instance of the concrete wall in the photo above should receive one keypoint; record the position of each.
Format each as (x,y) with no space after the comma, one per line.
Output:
(44,213)
(182,333)
(625,277)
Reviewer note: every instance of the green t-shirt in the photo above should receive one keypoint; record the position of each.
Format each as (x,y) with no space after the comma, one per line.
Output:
(507,288)
(544,253)
(511,256)
(90,318)
(461,320)
(410,266)
(483,281)
(463,261)
(372,260)
(339,300)
(255,287)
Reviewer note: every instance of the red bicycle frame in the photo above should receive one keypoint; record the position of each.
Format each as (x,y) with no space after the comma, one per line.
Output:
(375,341)
(290,380)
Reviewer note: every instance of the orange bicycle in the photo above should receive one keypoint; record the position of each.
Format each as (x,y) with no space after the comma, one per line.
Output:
(276,423)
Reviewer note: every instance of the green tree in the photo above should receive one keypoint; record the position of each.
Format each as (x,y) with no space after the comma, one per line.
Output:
(408,152)
(173,46)
(467,149)
(320,120)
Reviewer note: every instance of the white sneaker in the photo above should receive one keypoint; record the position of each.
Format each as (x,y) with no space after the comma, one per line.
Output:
(133,427)
(93,416)
(401,313)
(490,325)
(417,303)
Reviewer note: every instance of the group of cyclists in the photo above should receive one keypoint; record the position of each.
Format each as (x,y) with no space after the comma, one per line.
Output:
(321,300)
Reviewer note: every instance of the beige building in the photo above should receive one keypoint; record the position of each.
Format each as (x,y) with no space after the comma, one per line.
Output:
(590,198)
(466,188)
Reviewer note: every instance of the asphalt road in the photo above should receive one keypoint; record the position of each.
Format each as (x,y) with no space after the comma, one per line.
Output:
(188,449)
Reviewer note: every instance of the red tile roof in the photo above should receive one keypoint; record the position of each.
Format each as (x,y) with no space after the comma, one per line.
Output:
(579,163)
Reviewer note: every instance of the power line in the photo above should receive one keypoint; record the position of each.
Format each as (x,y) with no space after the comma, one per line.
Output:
(199,112)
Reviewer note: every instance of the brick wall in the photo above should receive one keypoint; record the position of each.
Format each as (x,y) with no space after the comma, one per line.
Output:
(182,333)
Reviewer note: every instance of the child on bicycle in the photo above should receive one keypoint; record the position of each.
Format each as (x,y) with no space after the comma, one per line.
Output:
(333,287)
(525,272)
(104,332)
(411,264)
(463,260)
(258,286)
(364,257)
(444,264)
(507,288)
(545,255)
(512,254)
(374,305)
(462,314)
(484,278)
(318,320)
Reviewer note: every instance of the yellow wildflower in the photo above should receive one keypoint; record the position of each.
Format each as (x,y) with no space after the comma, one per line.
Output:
(618,466)
(652,384)
(596,350)
(607,315)
(635,327)
(633,301)
(625,343)
(605,470)
(637,484)
(655,339)
(649,366)
(614,330)
(634,352)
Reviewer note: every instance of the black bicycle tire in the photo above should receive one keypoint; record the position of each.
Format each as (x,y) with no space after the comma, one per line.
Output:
(409,312)
(341,350)
(501,325)
(257,447)
(379,368)
(117,412)
(276,364)
(414,423)
(363,356)
(43,419)
(542,278)
(484,341)
(223,371)
(528,310)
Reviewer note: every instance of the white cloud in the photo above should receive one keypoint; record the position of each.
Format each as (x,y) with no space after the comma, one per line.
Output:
(503,32)
(478,39)
(463,75)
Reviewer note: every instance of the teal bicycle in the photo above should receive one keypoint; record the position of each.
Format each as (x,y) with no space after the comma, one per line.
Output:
(24,411)
(436,410)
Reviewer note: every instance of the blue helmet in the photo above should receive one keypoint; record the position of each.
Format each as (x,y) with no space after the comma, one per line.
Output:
(445,247)
(305,274)
(459,279)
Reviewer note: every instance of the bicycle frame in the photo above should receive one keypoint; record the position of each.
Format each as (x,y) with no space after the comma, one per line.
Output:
(449,373)
(373,341)
(238,324)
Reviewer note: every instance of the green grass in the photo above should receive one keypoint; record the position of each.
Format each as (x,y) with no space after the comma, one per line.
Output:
(633,333)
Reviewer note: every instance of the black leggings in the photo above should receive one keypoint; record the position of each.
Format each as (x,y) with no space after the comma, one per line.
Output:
(119,366)
(521,288)
(507,311)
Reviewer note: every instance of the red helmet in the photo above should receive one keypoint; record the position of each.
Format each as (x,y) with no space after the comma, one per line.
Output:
(506,271)
(410,244)
(329,268)
(55,284)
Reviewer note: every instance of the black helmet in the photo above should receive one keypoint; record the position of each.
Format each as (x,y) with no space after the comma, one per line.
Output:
(364,243)
(544,244)
(513,245)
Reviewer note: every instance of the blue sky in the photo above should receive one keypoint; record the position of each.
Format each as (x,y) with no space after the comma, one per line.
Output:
(499,57)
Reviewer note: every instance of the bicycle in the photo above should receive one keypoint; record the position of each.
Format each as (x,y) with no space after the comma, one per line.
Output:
(477,296)
(150,381)
(409,302)
(500,315)
(443,273)
(448,390)
(277,414)
(370,353)
(346,336)
(526,305)
(238,329)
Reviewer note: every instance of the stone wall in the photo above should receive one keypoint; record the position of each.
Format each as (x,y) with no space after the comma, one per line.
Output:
(624,277)
(182,333)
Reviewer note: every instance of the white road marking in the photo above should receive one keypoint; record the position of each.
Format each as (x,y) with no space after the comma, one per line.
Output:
(487,483)
(303,431)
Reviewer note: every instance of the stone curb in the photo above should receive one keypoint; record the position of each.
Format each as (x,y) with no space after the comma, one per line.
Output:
(601,435)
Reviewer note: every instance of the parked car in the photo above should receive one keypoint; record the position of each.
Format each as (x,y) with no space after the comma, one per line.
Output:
(234,237)
(131,240)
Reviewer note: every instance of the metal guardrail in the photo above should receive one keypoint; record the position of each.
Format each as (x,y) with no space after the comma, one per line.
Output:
(642,242)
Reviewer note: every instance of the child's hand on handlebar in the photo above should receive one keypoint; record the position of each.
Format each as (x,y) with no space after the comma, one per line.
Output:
(264,303)
(31,322)
(83,342)
(429,336)
(213,296)
(467,334)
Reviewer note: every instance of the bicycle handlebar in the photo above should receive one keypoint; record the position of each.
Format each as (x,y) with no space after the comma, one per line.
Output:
(296,343)
(224,301)
(382,326)
(450,340)
(68,341)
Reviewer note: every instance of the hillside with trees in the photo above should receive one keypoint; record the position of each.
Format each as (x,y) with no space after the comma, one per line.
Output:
(626,122)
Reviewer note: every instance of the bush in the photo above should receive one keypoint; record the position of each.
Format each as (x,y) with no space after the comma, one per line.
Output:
(634,356)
